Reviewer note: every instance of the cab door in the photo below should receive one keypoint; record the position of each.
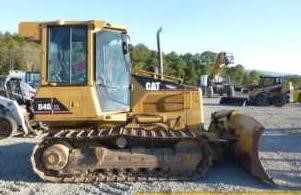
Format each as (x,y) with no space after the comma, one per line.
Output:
(112,72)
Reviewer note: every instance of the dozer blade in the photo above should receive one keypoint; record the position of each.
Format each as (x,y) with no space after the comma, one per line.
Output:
(233,101)
(248,132)
(245,132)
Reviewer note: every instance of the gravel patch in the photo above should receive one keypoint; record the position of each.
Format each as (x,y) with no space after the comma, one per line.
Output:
(280,153)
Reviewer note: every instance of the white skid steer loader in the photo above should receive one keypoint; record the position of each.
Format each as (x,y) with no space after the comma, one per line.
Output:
(15,108)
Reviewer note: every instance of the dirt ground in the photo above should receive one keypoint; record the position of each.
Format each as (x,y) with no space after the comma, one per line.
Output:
(280,154)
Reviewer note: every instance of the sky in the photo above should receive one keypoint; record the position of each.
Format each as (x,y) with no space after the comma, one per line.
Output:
(261,34)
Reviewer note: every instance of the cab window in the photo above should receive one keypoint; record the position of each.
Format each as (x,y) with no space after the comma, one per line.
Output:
(112,71)
(67,56)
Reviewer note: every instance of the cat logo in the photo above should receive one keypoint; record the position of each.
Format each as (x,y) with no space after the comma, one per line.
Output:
(152,86)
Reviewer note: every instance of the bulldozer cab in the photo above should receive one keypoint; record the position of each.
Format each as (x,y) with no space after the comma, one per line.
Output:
(67,63)
(85,70)
(269,81)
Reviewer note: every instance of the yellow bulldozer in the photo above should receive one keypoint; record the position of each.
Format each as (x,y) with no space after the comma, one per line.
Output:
(108,124)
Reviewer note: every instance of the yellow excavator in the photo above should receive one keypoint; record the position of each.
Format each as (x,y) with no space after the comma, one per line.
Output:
(107,124)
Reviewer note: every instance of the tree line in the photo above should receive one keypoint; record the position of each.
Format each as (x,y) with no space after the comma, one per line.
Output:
(190,66)
(18,53)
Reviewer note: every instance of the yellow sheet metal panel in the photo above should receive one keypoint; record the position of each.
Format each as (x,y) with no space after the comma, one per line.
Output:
(30,30)
(72,98)
(297,96)
(43,56)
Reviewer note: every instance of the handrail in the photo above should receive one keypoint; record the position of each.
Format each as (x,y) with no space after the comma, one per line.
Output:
(157,75)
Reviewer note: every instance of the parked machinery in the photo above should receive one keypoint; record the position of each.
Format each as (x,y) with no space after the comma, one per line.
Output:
(32,78)
(29,81)
(106,124)
(272,90)
(15,111)
(218,84)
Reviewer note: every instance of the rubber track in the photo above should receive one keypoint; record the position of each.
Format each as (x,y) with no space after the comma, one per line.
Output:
(77,135)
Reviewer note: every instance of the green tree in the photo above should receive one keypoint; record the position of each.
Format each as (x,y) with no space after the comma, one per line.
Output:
(174,65)
(254,77)
(191,76)
(17,53)
(207,60)
(235,74)
(142,58)
(190,66)
(296,81)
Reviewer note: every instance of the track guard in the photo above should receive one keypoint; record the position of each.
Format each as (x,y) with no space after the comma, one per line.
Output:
(233,101)
(244,133)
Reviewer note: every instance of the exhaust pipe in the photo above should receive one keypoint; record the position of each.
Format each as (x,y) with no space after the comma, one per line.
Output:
(160,55)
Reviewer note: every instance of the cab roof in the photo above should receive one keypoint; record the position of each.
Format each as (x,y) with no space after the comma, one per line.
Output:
(32,29)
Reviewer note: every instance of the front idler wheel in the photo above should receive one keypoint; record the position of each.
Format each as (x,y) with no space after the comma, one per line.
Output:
(55,157)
